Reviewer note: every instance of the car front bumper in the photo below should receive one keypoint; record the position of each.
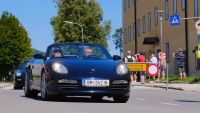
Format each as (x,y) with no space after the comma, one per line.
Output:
(19,81)
(77,89)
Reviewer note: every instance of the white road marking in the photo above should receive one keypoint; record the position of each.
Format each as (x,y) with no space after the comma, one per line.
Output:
(141,99)
(169,104)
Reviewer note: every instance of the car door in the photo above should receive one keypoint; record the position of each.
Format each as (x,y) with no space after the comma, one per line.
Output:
(36,72)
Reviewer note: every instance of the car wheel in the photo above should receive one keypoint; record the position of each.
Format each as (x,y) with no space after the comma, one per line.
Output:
(27,91)
(43,88)
(15,86)
(96,98)
(121,98)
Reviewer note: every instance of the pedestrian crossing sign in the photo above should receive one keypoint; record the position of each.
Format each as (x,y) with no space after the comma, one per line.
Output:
(175,20)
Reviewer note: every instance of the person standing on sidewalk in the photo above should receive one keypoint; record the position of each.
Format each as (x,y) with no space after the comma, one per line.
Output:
(129,58)
(142,73)
(153,60)
(162,66)
(180,57)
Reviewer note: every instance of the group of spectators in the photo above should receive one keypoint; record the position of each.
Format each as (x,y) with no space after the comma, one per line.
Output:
(160,60)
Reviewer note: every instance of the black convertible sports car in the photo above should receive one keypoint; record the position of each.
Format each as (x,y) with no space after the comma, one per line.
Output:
(78,69)
(19,75)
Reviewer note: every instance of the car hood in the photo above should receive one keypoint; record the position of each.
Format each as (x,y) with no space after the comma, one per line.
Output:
(90,66)
(22,70)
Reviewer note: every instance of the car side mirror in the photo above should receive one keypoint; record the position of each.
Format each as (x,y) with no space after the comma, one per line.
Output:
(116,57)
(39,56)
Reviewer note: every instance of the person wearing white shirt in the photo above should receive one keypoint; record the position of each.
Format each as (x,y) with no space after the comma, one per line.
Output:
(129,58)
(153,60)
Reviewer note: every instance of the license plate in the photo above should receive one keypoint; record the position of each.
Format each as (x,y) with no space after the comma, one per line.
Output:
(95,83)
(19,79)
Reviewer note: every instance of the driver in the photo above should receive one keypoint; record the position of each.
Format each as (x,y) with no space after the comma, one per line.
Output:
(57,53)
(87,52)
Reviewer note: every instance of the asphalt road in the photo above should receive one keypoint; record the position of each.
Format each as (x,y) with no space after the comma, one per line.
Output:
(143,100)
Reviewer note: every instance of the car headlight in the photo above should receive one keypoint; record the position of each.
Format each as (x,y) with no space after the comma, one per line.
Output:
(59,68)
(18,73)
(122,69)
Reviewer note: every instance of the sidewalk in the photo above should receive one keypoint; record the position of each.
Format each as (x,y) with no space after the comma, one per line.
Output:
(176,86)
(3,85)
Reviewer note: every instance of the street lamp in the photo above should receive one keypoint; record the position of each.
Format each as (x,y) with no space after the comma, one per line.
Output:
(161,36)
(69,22)
(161,27)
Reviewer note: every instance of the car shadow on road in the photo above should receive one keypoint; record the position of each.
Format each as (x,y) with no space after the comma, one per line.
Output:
(78,99)
(189,101)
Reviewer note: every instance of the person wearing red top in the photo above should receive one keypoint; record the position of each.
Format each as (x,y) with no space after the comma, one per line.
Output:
(142,73)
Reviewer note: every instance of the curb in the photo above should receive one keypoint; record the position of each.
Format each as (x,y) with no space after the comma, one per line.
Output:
(161,86)
(164,86)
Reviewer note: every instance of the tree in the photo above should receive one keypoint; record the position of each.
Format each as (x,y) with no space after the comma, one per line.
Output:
(88,14)
(117,38)
(15,46)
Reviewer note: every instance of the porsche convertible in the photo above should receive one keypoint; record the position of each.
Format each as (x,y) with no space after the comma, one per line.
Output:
(78,69)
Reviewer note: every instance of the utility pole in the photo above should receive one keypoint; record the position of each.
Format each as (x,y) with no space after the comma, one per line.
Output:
(135,17)
(186,38)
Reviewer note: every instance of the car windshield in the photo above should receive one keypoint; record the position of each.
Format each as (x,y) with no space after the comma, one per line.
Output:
(22,65)
(91,51)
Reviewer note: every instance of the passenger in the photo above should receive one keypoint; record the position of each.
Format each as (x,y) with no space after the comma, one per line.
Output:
(87,52)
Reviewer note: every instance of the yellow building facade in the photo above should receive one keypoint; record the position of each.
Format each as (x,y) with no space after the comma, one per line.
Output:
(143,21)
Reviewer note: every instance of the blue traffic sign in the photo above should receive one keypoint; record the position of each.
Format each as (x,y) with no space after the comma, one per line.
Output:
(175,20)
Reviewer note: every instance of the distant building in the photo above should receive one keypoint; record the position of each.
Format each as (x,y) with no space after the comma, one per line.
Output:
(141,28)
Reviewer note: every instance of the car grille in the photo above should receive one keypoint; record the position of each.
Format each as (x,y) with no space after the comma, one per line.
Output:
(119,87)
(68,86)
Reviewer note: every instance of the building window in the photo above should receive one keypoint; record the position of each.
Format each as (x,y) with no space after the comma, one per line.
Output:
(167,52)
(133,2)
(174,6)
(138,27)
(125,35)
(144,24)
(124,5)
(133,30)
(149,21)
(196,8)
(183,4)
(129,3)
(166,9)
(156,16)
(129,33)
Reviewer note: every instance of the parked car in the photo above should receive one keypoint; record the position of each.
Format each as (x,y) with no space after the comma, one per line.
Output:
(66,69)
(19,75)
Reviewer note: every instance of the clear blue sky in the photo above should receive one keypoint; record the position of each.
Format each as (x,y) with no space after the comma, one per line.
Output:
(35,16)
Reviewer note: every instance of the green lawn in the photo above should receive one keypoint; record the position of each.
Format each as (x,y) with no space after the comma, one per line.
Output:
(190,79)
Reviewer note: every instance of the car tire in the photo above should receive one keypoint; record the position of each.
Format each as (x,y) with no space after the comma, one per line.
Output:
(121,98)
(96,98)
(44,95)
(15,87)
(27,91)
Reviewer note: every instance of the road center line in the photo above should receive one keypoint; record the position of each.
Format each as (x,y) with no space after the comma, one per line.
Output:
(169,104)
(141,99)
